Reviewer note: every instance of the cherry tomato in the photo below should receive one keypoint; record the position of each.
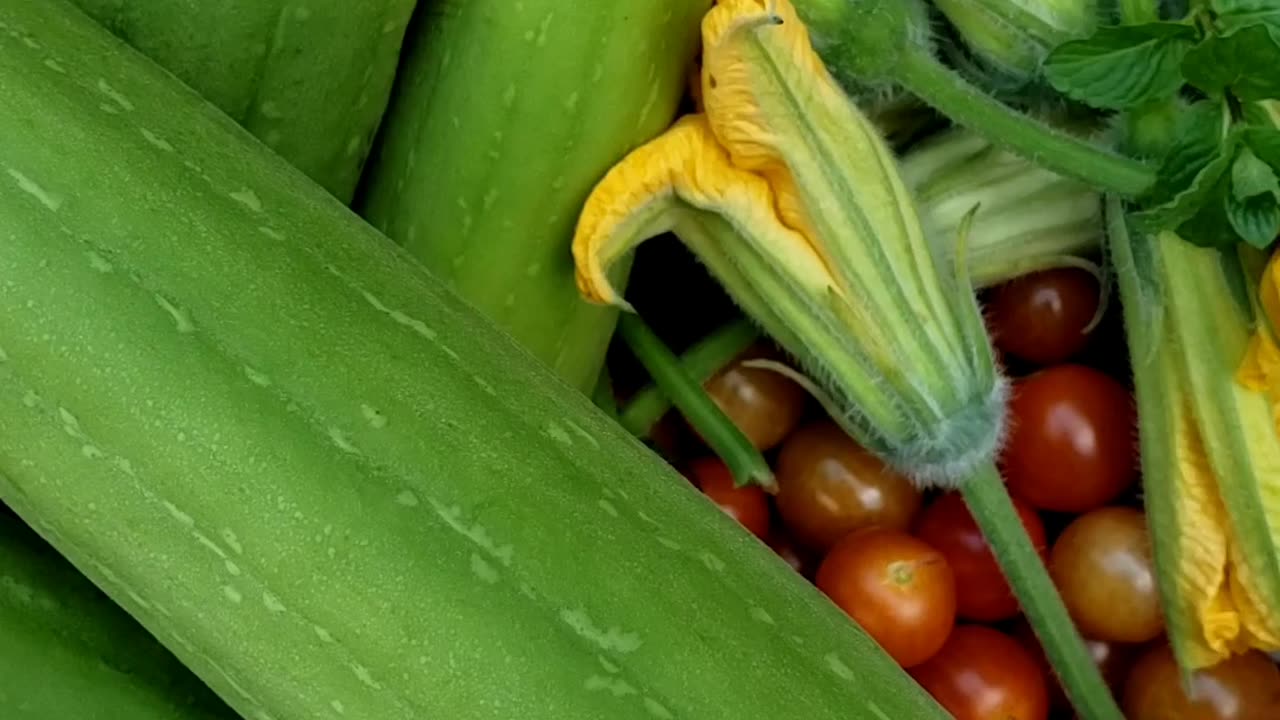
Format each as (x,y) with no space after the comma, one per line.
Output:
(1113,660)
(764,404)
(1041,317)
(982,593)
(1072,439)
(1103,568)
(829,486)
(983,674)
(791,554)
(748,505)
(896,587)
(1244,687)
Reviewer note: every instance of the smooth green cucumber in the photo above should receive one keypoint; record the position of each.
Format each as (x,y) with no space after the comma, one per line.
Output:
(69,652)
(504,116)
(310,78)
(324,481)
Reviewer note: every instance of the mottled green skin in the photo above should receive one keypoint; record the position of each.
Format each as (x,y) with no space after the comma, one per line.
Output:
(505,115)
(310,78)
(324,481)
(69,652)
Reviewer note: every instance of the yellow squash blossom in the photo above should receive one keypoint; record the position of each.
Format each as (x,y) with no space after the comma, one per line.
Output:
(793,200)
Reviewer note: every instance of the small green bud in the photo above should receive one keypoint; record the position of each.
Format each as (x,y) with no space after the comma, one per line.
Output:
(1013,37)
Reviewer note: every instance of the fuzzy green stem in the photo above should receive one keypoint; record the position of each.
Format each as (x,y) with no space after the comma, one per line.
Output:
(725,439)
(1137,12)
(701,362)
(989,502)
(967,105)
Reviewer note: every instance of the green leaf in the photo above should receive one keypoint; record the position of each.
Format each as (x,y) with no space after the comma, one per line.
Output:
(1118,68)
(1199,133)
(1193,206)
(1253,205)
(1208,225)
(1250,176)
(1235,14)
(1265,144)
(1242,62)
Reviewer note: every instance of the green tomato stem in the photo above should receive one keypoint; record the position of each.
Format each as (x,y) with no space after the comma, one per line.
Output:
(991,507)
(700,362)
(725,439)
(967,105)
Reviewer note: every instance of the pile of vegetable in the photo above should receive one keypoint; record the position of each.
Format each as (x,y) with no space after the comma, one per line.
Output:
(683,359)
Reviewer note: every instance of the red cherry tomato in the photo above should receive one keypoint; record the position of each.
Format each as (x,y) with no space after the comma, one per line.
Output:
(983,674)
(982,593)
(1041,317)
(748,505)
(1244,687)
(765,405)
(896,587)
(829,486)
(1072,439)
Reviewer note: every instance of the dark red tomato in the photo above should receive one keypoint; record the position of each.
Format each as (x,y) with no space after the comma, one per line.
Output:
(748,505)
(1072,439)
(982,593)
(1103,568)
(1245,687)
(896,587)
(764,404)
(1041,317)
(983,674)
(829,486)
(795,556)
(1113,660)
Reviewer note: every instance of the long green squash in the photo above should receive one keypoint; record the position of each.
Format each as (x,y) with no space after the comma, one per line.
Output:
(505,114)
(325,482)
(67,651)
(310,78)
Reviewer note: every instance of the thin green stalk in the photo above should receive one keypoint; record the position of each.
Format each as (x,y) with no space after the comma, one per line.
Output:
(1137,12)
(700,362)
(989,502)
(967,105)
(725,439)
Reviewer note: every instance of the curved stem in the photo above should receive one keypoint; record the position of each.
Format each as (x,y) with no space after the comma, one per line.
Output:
(701,361)
(967,105)
(743,459)
(989,502)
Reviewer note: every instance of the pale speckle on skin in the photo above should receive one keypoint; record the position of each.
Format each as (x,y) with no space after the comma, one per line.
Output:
(4,356)
(407,498)
(55,66)
(509,96)
(608,665)
(668,543)
(270,110)
(838,666)
(364,676)
(302,12)
(477,534)
(353,145)
(30,399)
(527,590)
(509,300)
(388,27)
(485,386)
(338,707)
(232,568)
(52,201)
(571,102)
(109,109)
(608,507)
(156,140)
(614,686)
(577,429)
(340,440)
(324,635)
(272,603)
(210,544)
(180,317)
(232,594)
(762,615)
(647,517)
(178,515)
(248,198)
(232,542)
(371,415)
(414,324)
(270,232)
(99,263)
(70,423)
(483,570)
(543,27)
(711,561)
(105,88)
(875,709)
(611,639)
(657,709)
(597,72)
(139,600)
(559,434)
(490,199)
(30,42)
(256,377)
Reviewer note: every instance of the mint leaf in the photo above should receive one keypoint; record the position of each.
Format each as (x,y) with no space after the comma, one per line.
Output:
(1193,179)
(1241,62)
(1199,132)
(1253,205)
(1118,68)
(1235,14)
(1208,225)
(1265,144)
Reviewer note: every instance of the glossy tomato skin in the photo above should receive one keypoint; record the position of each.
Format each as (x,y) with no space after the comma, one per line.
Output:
(1072,443)
(829,486)
(983,674)
(982,593)
(764,404)
(748,505)
(1041,317)
(1103,568)
(896,587)
(1245,687)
